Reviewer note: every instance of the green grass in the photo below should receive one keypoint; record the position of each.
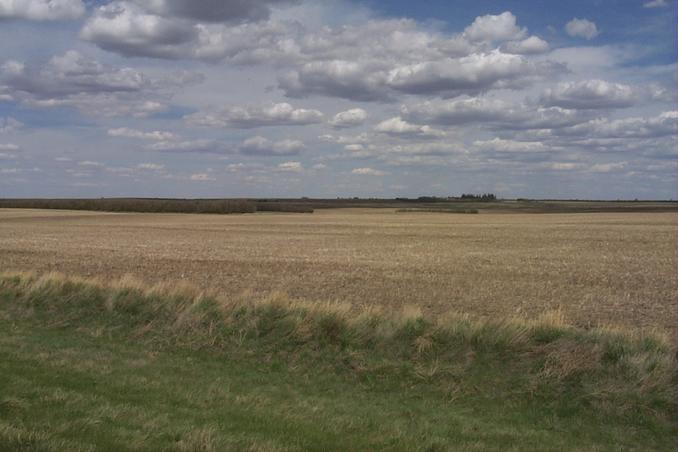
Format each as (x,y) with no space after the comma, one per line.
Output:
(119,366)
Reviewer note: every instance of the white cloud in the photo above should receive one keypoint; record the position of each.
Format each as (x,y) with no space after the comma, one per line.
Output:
(469,74)
(444,76)
(590,94)
(608,167)
(91,164)
(9,147)
(396,126)
(155,135)
(264,147)
(531,45)
(656,4)
(73,80)
(373,61)
(494,28)
(41,9)
(664,124)
(290,167)
(9,124)
(581,28)
(367,172)
(201,177)
(281,114)
(564,166)
(151,166)
(349,118)
(501,145)
(488,111)
(254,146)
(126,28)
(199,146)
(213,10)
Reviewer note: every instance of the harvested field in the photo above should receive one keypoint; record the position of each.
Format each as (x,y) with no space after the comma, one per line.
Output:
(598,268)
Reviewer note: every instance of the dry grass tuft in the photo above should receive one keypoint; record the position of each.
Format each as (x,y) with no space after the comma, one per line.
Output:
(200,440)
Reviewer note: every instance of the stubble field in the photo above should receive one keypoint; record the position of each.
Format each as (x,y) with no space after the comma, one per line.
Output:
(598,268)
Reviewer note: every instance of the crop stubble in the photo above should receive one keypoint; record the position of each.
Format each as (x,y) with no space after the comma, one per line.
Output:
(617,268)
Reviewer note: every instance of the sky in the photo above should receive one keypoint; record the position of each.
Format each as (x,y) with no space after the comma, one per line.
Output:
(343,98)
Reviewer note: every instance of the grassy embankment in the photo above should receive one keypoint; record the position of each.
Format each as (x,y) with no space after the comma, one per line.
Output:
(120,366)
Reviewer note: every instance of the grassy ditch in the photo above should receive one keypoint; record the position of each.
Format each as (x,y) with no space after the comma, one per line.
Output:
(118,365)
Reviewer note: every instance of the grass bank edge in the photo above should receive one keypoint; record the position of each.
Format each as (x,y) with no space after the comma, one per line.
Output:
(624,370)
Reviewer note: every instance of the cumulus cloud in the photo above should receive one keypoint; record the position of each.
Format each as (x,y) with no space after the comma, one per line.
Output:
(448,77)
(254,146)
(512,146)
(41,9)
(396,126)
(531,45)
(590,94)
(368,172)
(213,10)
(494,28)
(264,147)
(70,73)
(469,74)
(155,135)
(201,177)
(656,4)
(354,80)
(190,146)
(373,61)
(73,80)
(151,166)
(282,114)
(180,28)
(581,28)
(349,118)
(563,166)
(488,111)
(9,124)
(125,28)
(607,167)
(664,124)
(290,167)
(10,147)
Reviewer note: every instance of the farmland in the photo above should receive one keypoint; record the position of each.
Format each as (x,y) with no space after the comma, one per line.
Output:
(345,329)
(600,268)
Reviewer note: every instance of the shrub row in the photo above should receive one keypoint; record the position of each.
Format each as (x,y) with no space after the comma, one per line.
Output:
(217,206)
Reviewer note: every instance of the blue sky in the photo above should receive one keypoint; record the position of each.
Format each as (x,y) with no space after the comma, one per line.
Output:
(346,98)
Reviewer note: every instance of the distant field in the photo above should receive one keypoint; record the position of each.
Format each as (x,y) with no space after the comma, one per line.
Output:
(308,205)
(596,267)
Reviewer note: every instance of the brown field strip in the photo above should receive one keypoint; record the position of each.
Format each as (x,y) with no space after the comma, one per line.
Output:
(617,268)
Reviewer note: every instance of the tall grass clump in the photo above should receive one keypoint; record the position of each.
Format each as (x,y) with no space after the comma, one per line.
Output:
(618,367)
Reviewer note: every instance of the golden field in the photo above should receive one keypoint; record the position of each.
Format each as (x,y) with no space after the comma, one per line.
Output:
(598,268)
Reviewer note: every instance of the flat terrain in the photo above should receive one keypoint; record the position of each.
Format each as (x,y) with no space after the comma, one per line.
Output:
(597,267)
(117,366)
